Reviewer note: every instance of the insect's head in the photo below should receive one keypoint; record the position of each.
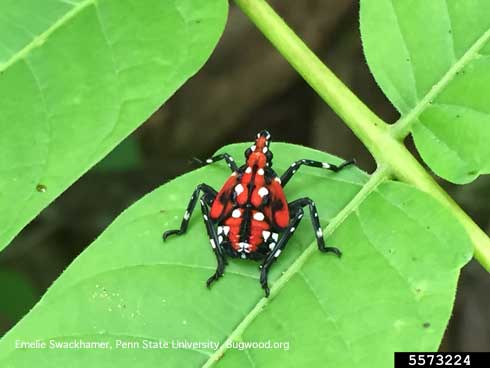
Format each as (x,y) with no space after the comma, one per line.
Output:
(259,154)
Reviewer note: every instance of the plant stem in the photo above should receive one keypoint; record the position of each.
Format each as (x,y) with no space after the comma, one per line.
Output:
(366,125)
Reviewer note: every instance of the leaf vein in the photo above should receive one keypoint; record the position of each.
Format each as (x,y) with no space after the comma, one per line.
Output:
(405,45)
(46,34)
(325,313)
(402,127)
(461,107)
(377,178)
(451,38)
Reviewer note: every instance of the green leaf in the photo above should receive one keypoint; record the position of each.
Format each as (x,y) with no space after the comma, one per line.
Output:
(432,60)
(76,77)
(393,288)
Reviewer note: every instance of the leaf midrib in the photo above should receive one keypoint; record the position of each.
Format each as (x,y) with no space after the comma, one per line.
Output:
(402,127)
(42,37)
(379,176)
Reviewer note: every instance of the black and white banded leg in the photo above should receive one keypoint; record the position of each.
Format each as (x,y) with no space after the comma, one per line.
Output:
(278,248)
(214,241)
(324,165)
(315,221)
(209,196)
(224,156)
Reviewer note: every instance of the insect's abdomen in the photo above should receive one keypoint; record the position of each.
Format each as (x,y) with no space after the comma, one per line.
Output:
(257,229)
(246,227)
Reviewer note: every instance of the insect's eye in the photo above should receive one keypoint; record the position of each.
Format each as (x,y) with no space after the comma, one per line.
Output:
(248,152)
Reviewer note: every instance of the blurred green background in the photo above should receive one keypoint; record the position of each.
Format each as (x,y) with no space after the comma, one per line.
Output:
(245,87)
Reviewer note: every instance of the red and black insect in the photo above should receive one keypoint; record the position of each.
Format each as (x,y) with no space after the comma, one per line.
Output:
(249,217)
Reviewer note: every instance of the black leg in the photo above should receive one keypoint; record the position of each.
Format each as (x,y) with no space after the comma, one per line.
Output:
(224,156)
(209,195)
(276,251)
(315,221)
(325,165)
(213,239)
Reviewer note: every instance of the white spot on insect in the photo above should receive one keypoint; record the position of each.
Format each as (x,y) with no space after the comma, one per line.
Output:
(294,171)
(263,192)
(239,189)
(258,135)
(234,173)
(213,245)
(260,171)
(259,216)
(275,236)
(205,217)
(272,245)
(265,149)
(292,229)
(325,165)
(319,233)
(202,202)
(293,164)
(244,247)
(249,170)
(300,216)
(186,215)
(230,158)
(220,239)
(268,136)
(209,161)
(266,234)
(277,179)
(236,213)
(277,253)
(244,256)
(220,230)
(253,147)
(226,229)
(316,214)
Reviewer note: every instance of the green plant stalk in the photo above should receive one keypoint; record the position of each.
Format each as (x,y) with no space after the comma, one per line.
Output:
(375,134)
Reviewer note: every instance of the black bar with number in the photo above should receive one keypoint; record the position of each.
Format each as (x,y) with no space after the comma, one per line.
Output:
(442,360)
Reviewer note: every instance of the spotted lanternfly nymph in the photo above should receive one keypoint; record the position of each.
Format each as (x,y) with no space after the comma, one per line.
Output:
(249,217)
